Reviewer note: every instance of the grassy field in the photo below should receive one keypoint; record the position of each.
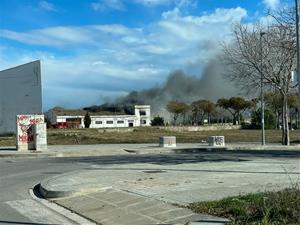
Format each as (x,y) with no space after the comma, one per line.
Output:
(269,208)
(151,135)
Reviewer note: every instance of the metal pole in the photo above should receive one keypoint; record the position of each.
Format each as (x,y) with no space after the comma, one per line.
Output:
(263,139)
(298,54)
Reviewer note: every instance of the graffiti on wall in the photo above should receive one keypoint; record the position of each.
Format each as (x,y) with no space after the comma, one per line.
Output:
(25,127)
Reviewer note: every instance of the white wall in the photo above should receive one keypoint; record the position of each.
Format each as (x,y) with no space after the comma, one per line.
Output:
(142,113)
(20,93)
(102,121)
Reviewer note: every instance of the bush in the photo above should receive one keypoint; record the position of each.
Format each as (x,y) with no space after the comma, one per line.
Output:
(270,119)
(157,121)
(272,208)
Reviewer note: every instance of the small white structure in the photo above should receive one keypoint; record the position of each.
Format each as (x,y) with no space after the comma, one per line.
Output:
(167,142)
(20,93)
(40,136)
(218,141)
(65,118)
(31,132)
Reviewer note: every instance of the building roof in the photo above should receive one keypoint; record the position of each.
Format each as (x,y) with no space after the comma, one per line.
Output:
(80,112)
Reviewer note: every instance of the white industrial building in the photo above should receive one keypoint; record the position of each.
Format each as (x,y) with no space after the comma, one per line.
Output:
(20,93)
(66,118)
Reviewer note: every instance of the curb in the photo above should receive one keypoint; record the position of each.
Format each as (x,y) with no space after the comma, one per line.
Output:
(225,150)
(74,217)
(54,194)
(26,155)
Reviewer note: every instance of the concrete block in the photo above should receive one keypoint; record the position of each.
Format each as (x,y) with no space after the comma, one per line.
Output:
(25,139)
(218,141)
(40,136)
(167,141)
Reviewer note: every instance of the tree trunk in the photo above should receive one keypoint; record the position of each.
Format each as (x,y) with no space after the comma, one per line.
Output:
(285,121)
(277,120)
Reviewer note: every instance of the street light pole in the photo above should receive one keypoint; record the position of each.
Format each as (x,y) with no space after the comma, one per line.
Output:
(263,139)
(298,53)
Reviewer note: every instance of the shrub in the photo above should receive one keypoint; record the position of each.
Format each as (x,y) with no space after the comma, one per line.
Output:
(157,121)
(87,120)
(270,119)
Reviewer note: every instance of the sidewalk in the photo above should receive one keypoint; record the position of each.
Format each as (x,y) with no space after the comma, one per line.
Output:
(116,207)
(132,187)
(122,149)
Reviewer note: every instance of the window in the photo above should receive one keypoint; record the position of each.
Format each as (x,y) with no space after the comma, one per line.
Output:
(98,122)
(120,122)
(109,122)
(144,121)
(142,113)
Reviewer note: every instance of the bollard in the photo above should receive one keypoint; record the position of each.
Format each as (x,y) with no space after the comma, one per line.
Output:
(218,141)
(40,136)
(167,141)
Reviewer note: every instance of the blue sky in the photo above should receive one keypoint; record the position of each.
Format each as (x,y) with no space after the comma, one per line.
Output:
(95,50)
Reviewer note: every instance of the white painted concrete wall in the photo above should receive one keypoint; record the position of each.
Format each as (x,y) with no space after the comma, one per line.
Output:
(112,121)
(25,137)
(143,115)
(20,93)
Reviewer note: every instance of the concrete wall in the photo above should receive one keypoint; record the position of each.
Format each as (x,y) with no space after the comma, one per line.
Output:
(25,138)
(20,93)
(201,128)
(143,115)
(141,118)
(112,121)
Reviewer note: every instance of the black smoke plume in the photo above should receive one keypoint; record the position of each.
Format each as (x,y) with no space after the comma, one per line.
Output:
(179,86)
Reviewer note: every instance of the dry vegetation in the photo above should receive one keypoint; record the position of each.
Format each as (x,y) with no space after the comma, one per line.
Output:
(268,208)
(150,135)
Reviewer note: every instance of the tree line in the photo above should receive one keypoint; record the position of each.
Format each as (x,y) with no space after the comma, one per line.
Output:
(233,110)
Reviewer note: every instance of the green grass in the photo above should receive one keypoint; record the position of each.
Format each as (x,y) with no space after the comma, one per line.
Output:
(151,135)
(268,208)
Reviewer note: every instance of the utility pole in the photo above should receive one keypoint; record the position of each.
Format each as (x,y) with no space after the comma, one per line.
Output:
(263,139)
(298,55)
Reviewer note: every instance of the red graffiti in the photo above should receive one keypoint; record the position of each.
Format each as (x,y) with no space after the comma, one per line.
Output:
(36,120)
(25,138)
(22,117)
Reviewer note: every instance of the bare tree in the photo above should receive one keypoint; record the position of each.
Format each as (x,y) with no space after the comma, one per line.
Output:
(271,56)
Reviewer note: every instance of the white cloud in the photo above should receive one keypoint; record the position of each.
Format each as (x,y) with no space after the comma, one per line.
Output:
(177,3)
(47,6)
(271,4)
(115,59)
(152,2)
(102,5)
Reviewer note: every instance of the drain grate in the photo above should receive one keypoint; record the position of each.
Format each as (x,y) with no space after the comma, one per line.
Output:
(154,171)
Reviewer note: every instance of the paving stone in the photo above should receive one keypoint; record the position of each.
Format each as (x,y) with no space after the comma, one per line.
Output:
(133,219)
(110,196)
(142,205)
(81,203)
(174,213)
(156,210)
(198,218)
(122,208)
(129,201)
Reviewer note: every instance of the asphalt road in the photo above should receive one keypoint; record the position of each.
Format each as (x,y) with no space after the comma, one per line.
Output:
(18,175)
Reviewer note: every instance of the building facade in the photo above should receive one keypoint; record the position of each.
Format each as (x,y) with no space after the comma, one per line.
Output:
(20,93)
(64,118)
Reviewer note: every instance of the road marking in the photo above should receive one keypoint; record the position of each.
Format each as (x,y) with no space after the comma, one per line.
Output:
(37,212)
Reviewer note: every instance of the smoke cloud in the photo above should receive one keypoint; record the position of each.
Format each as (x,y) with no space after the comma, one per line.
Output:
(179,86)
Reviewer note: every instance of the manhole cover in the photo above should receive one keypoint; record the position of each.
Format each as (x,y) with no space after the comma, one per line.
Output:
(154,171)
